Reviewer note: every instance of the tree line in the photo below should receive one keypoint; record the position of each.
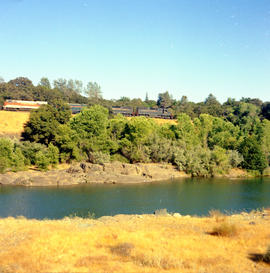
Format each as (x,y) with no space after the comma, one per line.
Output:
(209,138)
(203,146)
(73,91)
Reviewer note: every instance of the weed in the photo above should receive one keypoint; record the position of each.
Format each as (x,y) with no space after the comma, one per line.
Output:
(88,215)
(122,249)
(218,215)
(224,229)
(157,261)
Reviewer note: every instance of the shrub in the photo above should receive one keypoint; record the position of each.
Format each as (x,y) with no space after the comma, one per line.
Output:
(42,161)
(119,158)
(99,158)
(53,154)
(218,215)
(179,159)
(160,149)
(11,157)
(219,161)
(122,249)
(30,149)
(18,160)
(225,229)
(235,158)
(44,121)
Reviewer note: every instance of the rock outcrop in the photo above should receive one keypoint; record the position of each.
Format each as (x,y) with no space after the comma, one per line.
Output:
(80,173)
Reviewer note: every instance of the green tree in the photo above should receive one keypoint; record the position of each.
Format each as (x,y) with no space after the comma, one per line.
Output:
(164,100)
(45,82)
(44,121)
(254,158)
(94,91)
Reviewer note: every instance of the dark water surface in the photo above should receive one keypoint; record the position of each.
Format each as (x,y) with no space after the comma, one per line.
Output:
(187,196)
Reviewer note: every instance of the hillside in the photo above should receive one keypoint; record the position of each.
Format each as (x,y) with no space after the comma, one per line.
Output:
(136,243)
(11,123)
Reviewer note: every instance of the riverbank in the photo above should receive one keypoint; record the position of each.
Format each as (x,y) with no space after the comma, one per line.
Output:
(82,173)
(107,173)
(137,243)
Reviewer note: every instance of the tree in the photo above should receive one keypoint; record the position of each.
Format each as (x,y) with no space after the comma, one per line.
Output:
(43,123)
(21,82)
(213,106)
(2,80)
(91,125)
(146,98)
(94,91)
(266,110)
(60,84)
(75,86)
(164,100)
(254,158)
(45,82)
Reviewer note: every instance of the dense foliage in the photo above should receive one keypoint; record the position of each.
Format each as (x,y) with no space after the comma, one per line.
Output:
(204,146)
(209,138)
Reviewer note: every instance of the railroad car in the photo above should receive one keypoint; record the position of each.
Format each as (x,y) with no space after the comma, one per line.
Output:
(154,113)
(76,108)
(22,105)
(124,110)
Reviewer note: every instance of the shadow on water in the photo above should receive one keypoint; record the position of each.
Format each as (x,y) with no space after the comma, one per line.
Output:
(187,196)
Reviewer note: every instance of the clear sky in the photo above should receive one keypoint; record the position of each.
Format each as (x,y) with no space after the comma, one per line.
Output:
(130,47)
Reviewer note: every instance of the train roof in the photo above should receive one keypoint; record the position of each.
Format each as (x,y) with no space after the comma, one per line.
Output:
(27,101)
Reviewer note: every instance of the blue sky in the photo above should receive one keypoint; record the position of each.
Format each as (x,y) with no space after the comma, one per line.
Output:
(188,47)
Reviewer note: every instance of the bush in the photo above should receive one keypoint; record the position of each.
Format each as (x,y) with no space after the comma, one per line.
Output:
(224,229)
(219,161)
(99,158)
(179,159)
(29,150)
(235,158)
(122,249)
(43,123)
(11,156)
(42,161)
(119,158)
(18,160)
(218,215)
(53,154)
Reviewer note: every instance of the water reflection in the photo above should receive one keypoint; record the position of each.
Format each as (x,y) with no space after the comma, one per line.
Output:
(187,196)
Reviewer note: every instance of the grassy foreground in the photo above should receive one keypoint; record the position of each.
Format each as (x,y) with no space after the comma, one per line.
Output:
(136,243)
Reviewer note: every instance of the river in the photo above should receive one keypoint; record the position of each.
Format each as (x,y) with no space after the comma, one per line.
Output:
(186,196)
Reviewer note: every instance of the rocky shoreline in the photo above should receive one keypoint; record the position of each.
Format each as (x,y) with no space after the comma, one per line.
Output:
(82,173)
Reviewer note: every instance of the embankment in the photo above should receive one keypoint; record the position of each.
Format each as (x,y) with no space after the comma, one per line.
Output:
(114,172)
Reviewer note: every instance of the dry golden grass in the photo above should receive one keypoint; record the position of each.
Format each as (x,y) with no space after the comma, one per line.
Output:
(132,244)
(162,121)
(12,122)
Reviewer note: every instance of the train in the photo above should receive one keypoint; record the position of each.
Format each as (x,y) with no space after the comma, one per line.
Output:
(142,111)
(21,105)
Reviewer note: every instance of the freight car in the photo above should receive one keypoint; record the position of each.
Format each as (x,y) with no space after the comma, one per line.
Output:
(22,105)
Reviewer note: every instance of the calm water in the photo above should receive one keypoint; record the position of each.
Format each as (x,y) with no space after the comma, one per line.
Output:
(187,196)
